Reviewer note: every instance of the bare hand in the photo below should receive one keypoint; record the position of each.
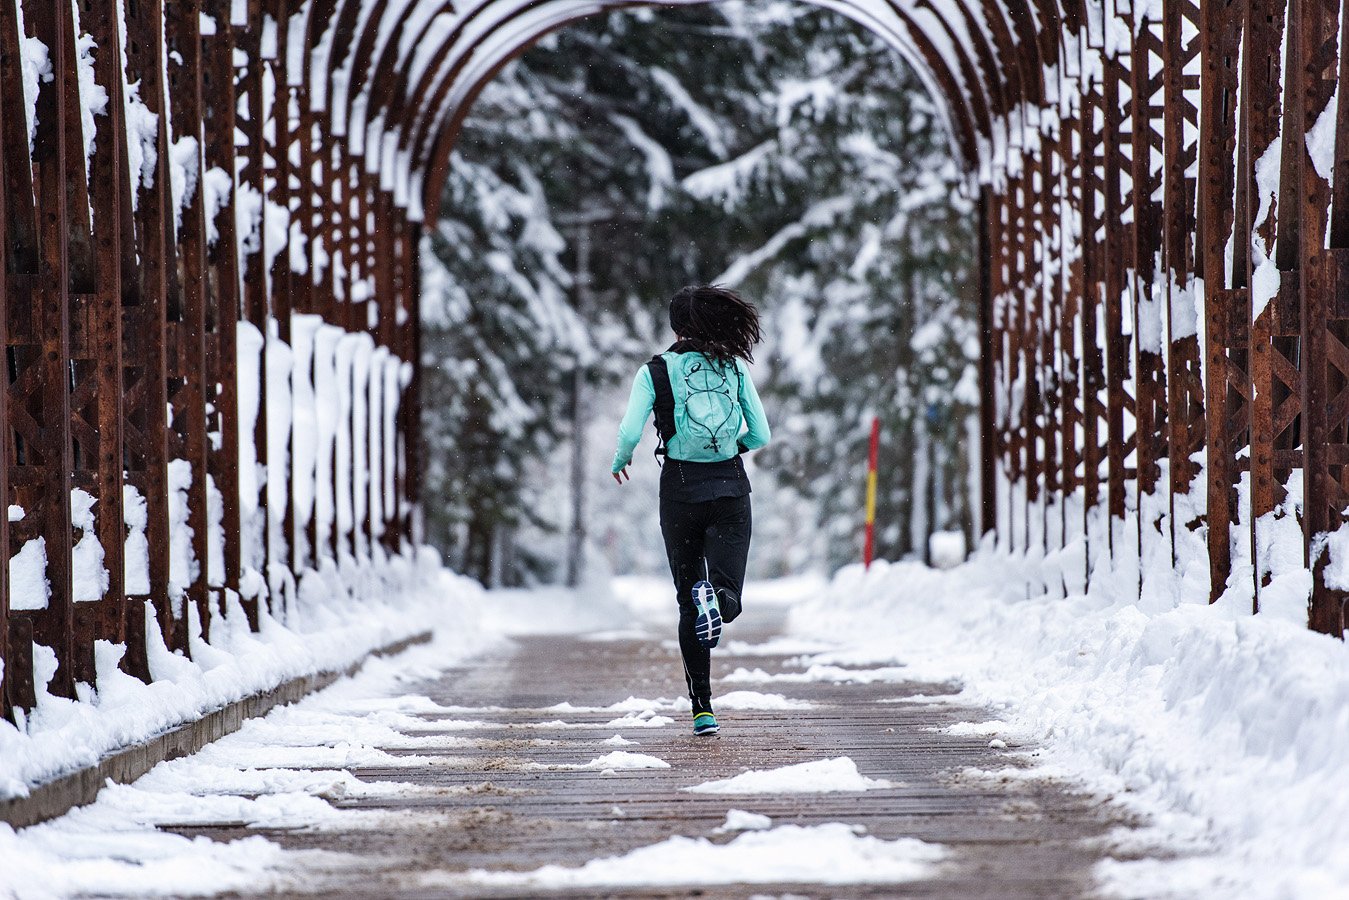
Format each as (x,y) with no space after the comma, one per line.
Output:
(622,474)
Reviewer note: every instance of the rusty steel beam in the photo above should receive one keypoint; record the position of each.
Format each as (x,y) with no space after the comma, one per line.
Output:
(254,301)
(1325,327)
(20,251)
(39,345)
(1150,428)
(1051,284)
(96,347)
(223,304)
(144,328)
(1185,390)
(1090,299)
(1070,250)
(1275,327)
(186,308)
(278,139)
(1226,301)
(1116,136)
(14,686)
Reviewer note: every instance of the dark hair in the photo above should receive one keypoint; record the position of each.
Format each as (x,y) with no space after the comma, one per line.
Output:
(716,320)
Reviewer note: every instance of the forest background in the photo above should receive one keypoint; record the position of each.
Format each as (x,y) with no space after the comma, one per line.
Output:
(773,147)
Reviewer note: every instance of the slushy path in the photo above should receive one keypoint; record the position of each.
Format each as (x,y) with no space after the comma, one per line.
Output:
(494,792)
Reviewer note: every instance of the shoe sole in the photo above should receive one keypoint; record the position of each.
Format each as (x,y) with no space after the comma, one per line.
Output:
(706,731)
(707,627)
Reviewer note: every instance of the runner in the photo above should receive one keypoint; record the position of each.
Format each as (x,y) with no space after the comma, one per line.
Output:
(707,414)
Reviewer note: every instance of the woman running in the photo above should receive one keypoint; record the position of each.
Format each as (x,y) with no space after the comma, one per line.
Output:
(707,414)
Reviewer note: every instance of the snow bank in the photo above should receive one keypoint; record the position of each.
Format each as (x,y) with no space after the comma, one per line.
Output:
(276,772)
(60,735)
(823,776)
(788,854)
(1225,730)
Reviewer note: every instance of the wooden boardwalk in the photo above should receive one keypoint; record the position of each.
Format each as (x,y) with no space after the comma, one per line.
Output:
(492,799)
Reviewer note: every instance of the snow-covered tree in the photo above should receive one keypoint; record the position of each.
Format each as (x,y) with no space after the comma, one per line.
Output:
(772,146)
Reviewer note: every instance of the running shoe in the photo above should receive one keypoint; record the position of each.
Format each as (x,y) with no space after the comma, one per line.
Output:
(705,723)
(707,627)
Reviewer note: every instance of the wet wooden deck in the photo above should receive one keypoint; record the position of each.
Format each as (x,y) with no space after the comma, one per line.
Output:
(489,800)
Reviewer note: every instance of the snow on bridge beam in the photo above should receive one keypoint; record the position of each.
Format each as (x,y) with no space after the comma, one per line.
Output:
(210,316)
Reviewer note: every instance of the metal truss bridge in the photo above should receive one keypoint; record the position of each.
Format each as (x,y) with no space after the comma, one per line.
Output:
(211,221)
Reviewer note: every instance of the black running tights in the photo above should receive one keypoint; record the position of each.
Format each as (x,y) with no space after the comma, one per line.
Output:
(708,540)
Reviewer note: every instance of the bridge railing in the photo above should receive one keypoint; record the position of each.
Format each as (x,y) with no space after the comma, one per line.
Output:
(1168,309)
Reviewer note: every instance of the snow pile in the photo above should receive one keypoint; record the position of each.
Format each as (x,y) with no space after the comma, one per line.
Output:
(787,854)
(946,549)
(1225,730)
(623,759)
(61,735)
(645,719)
(823,776)
(740,820)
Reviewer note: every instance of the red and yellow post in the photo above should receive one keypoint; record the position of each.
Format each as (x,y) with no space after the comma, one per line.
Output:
(869,546)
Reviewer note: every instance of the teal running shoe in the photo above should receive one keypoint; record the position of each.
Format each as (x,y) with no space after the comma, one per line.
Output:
(707,627)
(705,723)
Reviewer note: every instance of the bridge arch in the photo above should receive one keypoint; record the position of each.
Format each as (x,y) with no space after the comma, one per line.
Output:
(211,243)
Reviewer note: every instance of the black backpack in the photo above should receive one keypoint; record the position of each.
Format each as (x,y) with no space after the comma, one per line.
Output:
(664,405)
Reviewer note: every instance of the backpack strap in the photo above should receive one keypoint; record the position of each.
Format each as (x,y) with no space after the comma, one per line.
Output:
(664,403)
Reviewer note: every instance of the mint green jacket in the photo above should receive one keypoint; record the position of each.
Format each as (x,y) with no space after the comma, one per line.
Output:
(754,432)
